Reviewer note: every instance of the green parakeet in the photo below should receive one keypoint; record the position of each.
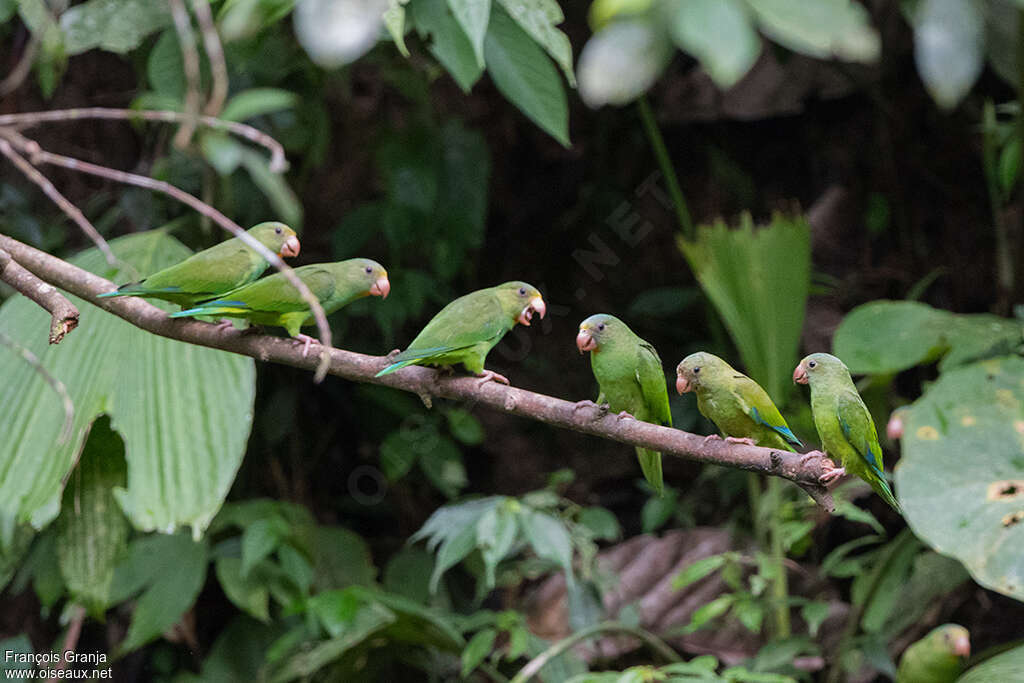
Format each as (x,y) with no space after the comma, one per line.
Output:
(630,379)
(937,658)
(467,329)
(844,424)
(216,270)
(738,406)
(275,301)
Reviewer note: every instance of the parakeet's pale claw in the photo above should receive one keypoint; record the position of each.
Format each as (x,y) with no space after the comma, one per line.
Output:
(491,376)
(623,415)
(305,340)
(392,353)
(600,409)
(712,437)
(744,440)
(225,325)
(831,472)
(807,458)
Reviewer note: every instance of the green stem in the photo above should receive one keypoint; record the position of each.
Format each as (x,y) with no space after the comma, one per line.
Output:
(665,163)
(780,587)
(649,639)
(754,496)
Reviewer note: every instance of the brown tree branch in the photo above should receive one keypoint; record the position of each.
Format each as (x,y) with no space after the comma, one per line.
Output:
(426,382)
(70,640)
(54,194)
(22,120)
(215,53)
(38,156)
(190,63)
(22,69)
(63,314)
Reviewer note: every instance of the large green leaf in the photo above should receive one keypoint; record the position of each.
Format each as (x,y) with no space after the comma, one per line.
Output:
(758,280)
(822,29)
(525,76)
(884,337)
(92,530)
(720,33)
(472,16)
(184,412)
(961,477)
(166,594)
(539,18)
(1006,666)
(449,43)
(115,25)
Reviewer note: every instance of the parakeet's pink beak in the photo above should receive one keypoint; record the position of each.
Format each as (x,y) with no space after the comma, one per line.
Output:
(381,288)
(536,305)
(682,384)
(800,375)
(962,646)
(290,248)
(894,428)
(584,342)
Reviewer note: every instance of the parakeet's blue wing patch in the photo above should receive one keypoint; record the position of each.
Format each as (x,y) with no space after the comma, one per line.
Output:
(865,449)
(783,431)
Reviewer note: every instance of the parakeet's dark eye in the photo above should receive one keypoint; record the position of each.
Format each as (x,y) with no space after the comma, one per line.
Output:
(811,364)
(278,230)
(522,291)
(600,327)
(696,370)
(369,269)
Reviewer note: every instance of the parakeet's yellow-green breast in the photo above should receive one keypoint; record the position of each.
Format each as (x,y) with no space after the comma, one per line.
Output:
(275,301)
(630,379)
(937,658)
(737,405)
(844,424)
(214,271)
(467,329)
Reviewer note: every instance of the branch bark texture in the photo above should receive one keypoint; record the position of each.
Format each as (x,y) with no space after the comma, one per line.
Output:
(63,313)
(426,382)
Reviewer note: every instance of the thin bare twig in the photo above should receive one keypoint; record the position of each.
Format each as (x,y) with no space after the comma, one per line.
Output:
(804,471)
(54,194)
(70,640)
(55,384)
(190,61)
(38,155)
(278,162)
(21,69)
(63,314)
(215,53)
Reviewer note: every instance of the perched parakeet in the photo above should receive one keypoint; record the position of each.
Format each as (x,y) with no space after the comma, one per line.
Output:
(738,406)
(275,301)
(467,329)
(216,270)
(937,658)
(844,424)
(630,379)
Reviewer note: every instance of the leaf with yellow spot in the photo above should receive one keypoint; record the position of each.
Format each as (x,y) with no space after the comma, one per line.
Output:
(961,477)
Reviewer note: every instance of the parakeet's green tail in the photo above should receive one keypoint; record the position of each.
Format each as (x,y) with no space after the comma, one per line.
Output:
(650,463)
(213,308)
(881,487)
(396,366)
(136,289)
(411,357)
